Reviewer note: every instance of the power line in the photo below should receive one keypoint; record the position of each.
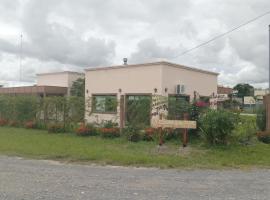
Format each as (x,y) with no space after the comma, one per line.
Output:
(221,35)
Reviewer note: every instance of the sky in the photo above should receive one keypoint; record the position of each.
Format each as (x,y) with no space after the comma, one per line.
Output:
(74,35)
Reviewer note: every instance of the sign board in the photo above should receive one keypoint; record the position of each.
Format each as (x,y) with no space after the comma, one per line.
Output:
(177,124)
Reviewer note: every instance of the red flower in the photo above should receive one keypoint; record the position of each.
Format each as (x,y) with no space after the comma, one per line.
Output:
(3,122)
(29,125)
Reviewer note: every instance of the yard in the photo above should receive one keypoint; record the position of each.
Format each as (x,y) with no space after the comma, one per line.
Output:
(69,147)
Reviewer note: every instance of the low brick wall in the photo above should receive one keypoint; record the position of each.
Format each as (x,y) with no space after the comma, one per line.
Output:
(266,100)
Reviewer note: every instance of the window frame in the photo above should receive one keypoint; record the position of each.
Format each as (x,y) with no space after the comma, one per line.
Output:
(93,109)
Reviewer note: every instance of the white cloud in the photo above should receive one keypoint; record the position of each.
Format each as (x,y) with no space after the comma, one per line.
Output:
(76,34)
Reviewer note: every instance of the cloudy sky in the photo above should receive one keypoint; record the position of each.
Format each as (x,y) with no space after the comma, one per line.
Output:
(72,35)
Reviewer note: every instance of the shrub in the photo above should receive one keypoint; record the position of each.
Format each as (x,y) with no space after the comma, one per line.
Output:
(30,125)
(56,128)
(132,133)
(14,123)
(245,130)
(40,125)
(217,126)
(3,122)
(170,134)
(109,124)
(109,132)
(261,119)
(264,137)
(150,134)
(86,130)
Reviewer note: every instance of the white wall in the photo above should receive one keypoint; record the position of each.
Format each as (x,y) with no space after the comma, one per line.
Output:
(144,79)
(203,83)
(129,80)
(61,79)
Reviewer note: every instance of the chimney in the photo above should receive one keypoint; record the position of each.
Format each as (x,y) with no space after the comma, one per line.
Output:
(125,61)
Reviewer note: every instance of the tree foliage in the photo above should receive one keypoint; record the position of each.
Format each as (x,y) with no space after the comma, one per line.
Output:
(78,87)
(244,89)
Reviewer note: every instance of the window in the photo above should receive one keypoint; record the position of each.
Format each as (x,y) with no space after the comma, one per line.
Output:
(104,103)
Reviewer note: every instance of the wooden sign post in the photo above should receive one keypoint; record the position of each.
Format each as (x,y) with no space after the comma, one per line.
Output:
(174,124)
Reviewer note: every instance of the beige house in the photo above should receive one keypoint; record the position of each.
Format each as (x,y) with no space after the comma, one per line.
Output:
(59,79)
(155,81)
(259,93)
(48,84)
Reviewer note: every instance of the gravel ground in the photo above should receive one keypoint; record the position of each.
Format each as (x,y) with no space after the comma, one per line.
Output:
(39,179)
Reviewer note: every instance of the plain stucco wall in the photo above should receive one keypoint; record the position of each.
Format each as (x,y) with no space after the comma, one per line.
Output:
(60,79)
(203,83)
(143,80)
(64,79)
(132,80)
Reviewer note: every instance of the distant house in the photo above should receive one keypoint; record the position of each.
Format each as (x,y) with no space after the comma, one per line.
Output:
(60,79)
(48,84)
(158,82)
(222,90)
(260,93)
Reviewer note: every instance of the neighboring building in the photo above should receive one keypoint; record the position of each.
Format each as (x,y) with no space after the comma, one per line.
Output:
(249,101)
(48,84)
(224,90)
(155,81)
(41,91)
(259,93)
(60,79)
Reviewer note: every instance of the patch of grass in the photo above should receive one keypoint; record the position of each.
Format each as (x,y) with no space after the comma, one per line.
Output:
(68,147)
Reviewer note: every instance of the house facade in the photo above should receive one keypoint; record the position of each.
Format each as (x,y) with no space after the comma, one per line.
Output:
(48,84)
(111,92)
(59,79)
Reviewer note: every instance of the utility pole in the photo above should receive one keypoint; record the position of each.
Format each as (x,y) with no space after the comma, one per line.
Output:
(269,60)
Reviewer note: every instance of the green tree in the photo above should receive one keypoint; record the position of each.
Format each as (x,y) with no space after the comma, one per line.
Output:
(78,87)
(244,89)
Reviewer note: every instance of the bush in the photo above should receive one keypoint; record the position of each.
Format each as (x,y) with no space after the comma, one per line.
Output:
(217,126)
(30,125)
(109,124)
(3,122)
(150,134)
(40,125)
(261,119)
(264,137)
(109,132)
(245,130)
(170,134)
(86,130)
(132,133)
(14,123)
(56,128)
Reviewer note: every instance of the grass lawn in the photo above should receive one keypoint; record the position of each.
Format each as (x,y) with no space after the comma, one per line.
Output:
(68,147)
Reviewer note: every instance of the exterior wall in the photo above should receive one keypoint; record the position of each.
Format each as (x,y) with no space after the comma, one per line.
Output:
(144,80)
(62,79)
(205,84)
(259,93)
(57,79)
(131,80)
(224,90)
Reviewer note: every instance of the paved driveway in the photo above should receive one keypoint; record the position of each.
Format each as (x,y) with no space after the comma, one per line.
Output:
(37,179)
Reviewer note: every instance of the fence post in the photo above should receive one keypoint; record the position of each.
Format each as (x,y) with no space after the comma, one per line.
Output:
(266,100)
(185,134)
(122,113)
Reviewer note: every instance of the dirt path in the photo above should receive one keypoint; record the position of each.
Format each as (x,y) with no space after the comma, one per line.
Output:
(50,180)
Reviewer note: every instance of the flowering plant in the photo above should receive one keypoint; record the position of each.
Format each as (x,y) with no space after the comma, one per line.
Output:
(110,132)
(3,122)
